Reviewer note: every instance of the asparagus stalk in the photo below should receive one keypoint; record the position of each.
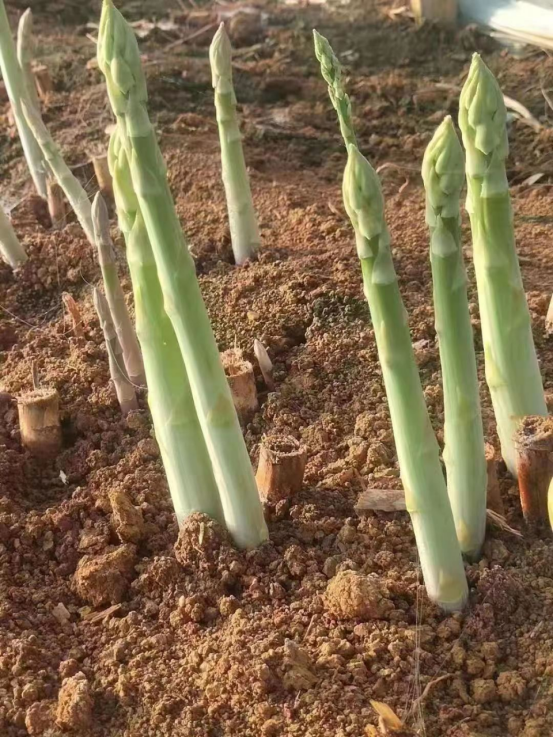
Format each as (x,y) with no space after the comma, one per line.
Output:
(119,60)
(115,295)
(11,251)
(123,388)
(464,452)
(25,56)
(74,191)
(512,370)
(178,432)
(332,73)
(244,231)
(421,473)
(16,89)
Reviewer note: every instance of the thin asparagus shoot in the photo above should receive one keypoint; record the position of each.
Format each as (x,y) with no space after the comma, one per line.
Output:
(11,250)
(244,230)
(332,73)
(417,449)
(16,89)
(74,191)
(115,295)
(126,395)
(25,55)
(464,452)
(512,370)
(179,435)
(119,60)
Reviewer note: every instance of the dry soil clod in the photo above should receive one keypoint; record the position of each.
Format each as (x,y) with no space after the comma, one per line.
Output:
(241,381)
(39,422)
(282,461)
(534,445)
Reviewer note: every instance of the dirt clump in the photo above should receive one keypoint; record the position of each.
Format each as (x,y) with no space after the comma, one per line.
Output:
(350,595)
(103,579)
(75,703)
(128,520)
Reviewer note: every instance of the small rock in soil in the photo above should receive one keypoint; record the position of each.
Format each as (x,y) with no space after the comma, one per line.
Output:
(74,711)
(353,595)
(127,519)
(104,579)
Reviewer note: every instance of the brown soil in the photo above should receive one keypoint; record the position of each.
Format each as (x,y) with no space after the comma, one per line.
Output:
(105,627)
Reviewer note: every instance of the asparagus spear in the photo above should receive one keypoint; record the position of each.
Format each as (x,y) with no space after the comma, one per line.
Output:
(332,73)
(119,60)
(16,89)
(242,219)
(114,294)
(178,432)
(421,473)
(74,191)
(123,388)
(11,250)
(25,55)
(512,370)
(464,453)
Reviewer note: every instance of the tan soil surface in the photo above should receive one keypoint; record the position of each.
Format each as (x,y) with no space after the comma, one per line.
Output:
(105,627)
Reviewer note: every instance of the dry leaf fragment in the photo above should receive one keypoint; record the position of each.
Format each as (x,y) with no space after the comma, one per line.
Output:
(388,720)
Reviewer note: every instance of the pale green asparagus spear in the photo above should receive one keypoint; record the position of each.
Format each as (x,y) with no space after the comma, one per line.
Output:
(123,388)
(464,453)
(25,55)
(244,231)
(512,370)
(177,429)
(115,295)
(11,251)
(16,89)
(74,191)
(419,463)
(332,73)
(119,60)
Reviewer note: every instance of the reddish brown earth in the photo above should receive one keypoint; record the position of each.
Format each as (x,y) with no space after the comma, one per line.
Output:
(105,627)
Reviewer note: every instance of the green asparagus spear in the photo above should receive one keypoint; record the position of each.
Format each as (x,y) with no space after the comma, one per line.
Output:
(11,251)
(512,370)
(178,432)
(417,449)
(332,73)
(464,453)
(242,219)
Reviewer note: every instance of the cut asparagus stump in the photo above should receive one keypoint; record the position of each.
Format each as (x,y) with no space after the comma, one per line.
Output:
(119,60)
(417,449)
(332,74)
(244,231)
(464,452)
(11,251)
(16,89)
(115,295)
(126,395)
(74,191)
(512,370)
(177,429)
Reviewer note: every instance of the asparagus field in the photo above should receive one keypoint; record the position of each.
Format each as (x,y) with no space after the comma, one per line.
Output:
(276,363)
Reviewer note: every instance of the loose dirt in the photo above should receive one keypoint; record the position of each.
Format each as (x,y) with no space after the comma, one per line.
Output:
(114,623)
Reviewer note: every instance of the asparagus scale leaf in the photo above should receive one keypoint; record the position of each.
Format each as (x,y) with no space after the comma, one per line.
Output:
(244,231)
(177,429)
(512,370)
(464,452)
(417,449)
(119,60)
